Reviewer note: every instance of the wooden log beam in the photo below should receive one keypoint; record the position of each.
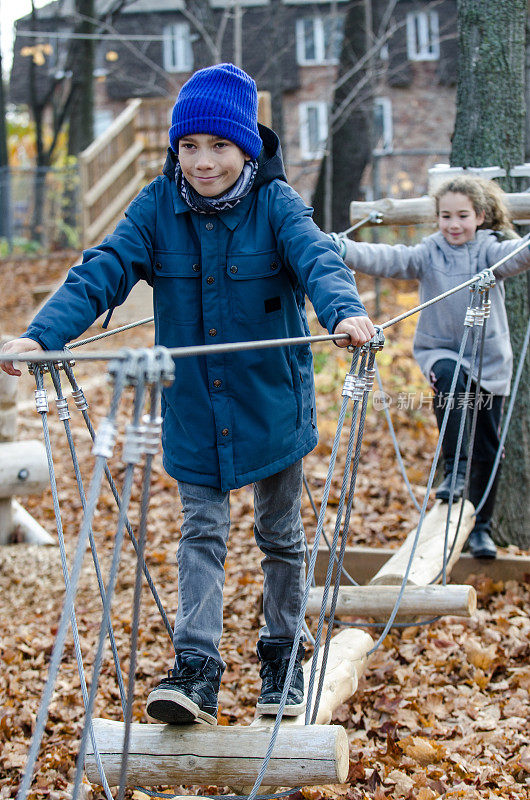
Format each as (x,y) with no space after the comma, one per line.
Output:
(428,557)
(377,602)
(414,210)
(347,658)
(363,562)
(23,468)
(221,755)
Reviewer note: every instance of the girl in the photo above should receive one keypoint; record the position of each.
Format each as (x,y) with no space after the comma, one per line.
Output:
(474,233)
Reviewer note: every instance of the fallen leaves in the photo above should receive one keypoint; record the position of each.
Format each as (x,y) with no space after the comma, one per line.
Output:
(441,710)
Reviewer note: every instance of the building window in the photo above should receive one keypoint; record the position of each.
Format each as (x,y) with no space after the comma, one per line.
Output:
(313,129)
(423,41)
(178,53)
(318,40)
(383,133)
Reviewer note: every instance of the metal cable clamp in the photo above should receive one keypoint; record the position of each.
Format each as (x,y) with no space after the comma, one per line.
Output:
(62,408)
(41,401)
(487,280)
(116,365)
(133,445)
(152,429)
(469,321)
(369,379)
(354,386)
(80,399)
(166,366)
(105,439)
(377,342)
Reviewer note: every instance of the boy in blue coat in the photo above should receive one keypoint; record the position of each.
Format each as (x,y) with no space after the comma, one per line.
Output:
(230,250)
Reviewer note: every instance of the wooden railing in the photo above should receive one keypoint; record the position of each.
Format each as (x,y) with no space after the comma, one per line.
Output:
(111,174)
(130,152)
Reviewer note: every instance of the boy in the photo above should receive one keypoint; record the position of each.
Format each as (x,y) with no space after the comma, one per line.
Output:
(230,250)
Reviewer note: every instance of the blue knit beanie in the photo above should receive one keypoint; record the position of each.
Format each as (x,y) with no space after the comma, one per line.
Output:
(222,101)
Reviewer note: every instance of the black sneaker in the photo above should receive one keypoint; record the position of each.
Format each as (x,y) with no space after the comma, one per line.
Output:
(188,694)
(274,663)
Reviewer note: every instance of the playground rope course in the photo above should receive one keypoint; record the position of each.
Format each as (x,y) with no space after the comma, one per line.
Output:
(145,372)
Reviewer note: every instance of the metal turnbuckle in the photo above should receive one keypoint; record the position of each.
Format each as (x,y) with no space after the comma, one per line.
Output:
(105,439)
(62,408)
(41,401)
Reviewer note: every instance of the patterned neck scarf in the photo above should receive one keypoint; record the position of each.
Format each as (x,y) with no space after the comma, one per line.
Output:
(213,205)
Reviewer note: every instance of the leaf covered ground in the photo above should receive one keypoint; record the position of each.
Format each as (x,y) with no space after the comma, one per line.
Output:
(442,710)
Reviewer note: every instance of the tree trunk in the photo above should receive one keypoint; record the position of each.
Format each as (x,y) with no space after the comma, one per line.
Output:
(490,130)
(349,136)
(4,164)
(81,116)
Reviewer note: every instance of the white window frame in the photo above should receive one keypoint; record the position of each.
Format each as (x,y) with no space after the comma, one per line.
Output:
(423,40)
(320,43)
(307,152)
(388,129)
(177,49)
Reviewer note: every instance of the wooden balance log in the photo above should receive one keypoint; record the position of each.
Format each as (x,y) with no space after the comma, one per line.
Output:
(303,755)
(420,598)
(23,471)
(200,754)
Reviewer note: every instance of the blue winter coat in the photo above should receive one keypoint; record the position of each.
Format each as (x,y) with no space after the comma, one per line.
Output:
(240,275)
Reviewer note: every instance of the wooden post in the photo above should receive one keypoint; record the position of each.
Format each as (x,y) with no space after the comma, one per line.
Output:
(221,755)
(23,469)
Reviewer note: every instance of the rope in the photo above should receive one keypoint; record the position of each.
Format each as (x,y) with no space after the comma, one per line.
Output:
(104,335)
(390,621)
(395,442)
(83,406)
(311,569)
(58,647)
(122,369)
(368,385)
(62,403)
(508,417)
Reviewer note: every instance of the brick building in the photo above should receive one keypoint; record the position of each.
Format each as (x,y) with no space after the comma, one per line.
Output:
(292,49)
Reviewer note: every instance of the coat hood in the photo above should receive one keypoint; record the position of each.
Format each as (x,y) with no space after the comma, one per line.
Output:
(270,160)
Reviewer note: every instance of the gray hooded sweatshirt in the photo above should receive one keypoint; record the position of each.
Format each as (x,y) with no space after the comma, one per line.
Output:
(439,266)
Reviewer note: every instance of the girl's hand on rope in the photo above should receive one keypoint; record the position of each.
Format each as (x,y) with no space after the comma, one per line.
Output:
(18,346)
(359,329)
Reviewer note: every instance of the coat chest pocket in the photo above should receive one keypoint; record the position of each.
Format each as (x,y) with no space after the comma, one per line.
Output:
(258,283)
(177,287)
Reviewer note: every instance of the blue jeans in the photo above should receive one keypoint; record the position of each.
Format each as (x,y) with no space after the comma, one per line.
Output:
(202,551)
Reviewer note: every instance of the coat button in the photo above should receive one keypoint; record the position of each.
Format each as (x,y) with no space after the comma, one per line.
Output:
(233,269)
(209,226)
(196,268)
(158,265)
(210,279)
(217,383)
(225,432)
(274,265)
(212,332)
